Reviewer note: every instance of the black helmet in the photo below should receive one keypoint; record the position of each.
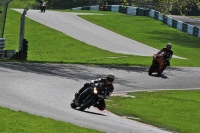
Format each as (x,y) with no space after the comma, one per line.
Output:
(110,78)
(169,46)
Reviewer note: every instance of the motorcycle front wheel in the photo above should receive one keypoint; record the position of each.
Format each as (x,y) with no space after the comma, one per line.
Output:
(153,68)
(73,105)
(86,104)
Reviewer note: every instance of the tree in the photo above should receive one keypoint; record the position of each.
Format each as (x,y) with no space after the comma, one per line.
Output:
(163,6)
(166,6)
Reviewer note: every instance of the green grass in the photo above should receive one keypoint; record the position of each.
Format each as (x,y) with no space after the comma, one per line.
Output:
(88,11)
(153,33)
(194,16)
(23,4)
(49,45)
(21,122)
(172,110)
(42,41)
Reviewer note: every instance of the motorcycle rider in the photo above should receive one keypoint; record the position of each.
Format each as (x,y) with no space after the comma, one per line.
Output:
(41,3)
(108,81)
(167,53)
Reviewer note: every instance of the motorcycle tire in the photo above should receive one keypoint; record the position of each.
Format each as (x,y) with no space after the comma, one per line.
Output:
(164,67)
(159,73)
(83,95)
(73,105)
(152,68)
(86,104)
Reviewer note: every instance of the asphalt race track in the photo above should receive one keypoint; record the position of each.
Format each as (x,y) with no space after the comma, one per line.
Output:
(47,90)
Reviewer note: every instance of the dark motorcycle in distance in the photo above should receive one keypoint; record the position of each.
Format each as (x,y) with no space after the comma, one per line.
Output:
(90,96)
(157,64)
(43,7)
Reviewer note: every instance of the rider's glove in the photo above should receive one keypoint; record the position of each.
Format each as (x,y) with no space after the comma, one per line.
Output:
(107,96)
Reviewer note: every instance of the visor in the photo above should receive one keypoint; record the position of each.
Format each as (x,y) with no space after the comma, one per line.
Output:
(110,79)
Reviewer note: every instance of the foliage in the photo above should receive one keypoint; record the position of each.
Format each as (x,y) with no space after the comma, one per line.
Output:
(32,4)
(167,6)
(163,6)
(67,4)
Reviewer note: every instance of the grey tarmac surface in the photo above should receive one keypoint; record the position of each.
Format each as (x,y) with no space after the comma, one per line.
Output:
(80,29)
(47,90)
(186,19)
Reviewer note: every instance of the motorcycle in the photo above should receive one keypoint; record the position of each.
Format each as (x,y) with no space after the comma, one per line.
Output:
(43,7)
(90,96)
(157,64)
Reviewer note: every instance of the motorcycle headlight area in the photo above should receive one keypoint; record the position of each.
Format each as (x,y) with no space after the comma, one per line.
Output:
(95,90)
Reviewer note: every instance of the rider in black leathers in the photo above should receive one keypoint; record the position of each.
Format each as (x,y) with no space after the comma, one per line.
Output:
(108,81)
(167,54)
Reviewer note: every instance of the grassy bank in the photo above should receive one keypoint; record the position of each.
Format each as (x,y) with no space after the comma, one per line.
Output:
(195,16)
(20,122)
(153,33)
(49,45)
(172,110)
(23,4)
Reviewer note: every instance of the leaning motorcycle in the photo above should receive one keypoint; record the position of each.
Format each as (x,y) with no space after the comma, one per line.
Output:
(90,96)
(157,64)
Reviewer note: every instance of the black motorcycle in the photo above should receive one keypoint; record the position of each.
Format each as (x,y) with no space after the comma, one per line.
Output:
(90,96)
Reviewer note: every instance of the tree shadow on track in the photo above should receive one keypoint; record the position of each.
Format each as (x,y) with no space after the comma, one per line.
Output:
(73,71)
(62,70)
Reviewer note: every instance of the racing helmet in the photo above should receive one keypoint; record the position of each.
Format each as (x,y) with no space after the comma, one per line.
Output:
(169,46)
(110,78)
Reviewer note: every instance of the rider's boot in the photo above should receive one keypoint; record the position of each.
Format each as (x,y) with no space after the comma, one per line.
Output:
(76,95)
(76,99)
(163,68)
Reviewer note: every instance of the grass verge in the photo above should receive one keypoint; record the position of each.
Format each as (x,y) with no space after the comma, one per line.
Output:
(49,45)
(176,110)
(194,16)
(21,122)
(153,33)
